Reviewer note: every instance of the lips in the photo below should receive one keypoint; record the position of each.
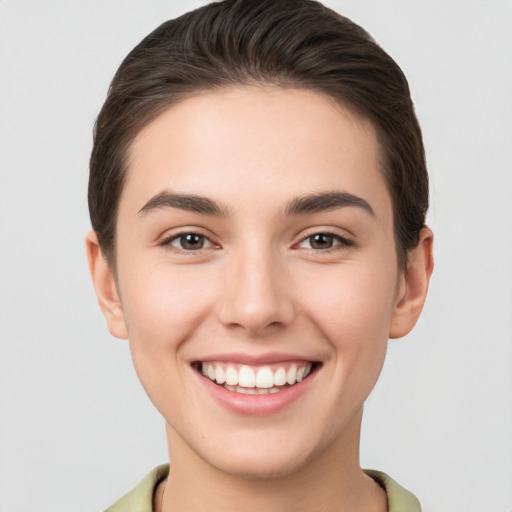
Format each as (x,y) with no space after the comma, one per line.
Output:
(250,386)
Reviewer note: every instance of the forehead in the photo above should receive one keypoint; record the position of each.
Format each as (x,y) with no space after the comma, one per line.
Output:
(255,140)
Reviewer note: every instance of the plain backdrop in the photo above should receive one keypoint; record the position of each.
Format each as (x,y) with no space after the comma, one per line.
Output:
(77,431)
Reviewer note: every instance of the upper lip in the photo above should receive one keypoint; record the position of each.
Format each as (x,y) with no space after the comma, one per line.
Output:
(255,360)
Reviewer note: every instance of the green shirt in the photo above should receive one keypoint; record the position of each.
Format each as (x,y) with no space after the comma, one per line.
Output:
(141,498)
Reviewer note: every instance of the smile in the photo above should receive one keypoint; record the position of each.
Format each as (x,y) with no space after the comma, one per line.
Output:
(256,380)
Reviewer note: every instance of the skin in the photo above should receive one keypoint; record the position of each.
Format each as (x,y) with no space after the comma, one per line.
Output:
(260,285)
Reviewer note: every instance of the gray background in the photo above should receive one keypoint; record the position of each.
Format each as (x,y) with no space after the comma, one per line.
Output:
(76,429)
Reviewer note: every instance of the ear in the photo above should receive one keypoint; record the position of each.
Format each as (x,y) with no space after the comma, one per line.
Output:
(413,286)
(105,287)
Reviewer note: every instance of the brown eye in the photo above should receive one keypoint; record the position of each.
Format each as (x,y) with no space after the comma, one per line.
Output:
(321,241)
(324,241)
(190,242)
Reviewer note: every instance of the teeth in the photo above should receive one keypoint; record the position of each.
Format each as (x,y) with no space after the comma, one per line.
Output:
(280,377)
(247,380)
(291,375)
(264,378)
(247,391)
(252,391)
(246,377)
(219,375)
(231,376)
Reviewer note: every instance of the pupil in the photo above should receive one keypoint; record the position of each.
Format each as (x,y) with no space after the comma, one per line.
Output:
(321,241)
(192,241)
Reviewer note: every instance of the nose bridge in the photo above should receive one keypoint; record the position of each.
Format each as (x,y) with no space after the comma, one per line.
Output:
(255,294)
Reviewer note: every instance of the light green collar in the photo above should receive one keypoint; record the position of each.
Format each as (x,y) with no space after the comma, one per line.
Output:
(399,499)
(140,499)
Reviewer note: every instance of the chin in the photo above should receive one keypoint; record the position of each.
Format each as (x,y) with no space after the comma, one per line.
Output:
(264,466)
(264,455)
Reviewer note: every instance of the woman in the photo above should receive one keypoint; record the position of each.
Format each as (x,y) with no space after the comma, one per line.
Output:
(258,195)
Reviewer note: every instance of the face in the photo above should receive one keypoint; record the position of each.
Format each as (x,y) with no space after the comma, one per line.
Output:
(257,275)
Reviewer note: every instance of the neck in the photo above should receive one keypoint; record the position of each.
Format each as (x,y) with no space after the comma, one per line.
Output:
(331,481)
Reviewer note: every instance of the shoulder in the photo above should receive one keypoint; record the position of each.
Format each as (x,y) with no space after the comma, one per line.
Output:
(399,499)
(140,499)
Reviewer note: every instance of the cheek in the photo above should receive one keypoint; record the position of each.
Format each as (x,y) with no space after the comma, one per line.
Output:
(353,306)
(162,305)
(163,308)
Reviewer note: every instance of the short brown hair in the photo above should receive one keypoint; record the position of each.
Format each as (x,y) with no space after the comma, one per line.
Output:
(289,43)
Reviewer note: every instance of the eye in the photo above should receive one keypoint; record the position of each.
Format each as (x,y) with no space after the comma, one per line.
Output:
(188,242)
(324,241)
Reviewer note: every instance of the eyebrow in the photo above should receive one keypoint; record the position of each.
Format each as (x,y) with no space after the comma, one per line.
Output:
(314,203)
(187,202)
(325,201)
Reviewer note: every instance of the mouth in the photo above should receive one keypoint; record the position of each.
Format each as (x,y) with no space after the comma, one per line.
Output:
(256,379)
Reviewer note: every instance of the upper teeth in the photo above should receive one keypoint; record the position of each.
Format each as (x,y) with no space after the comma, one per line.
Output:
(263,377)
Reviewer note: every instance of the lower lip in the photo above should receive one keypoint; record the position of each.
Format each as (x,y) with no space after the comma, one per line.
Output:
(255,405)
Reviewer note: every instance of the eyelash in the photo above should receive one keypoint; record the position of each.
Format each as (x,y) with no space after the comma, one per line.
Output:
(167,242)
(339,242)
(342,242)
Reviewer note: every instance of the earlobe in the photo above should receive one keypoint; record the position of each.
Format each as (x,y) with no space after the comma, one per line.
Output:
(412,296)
(105,287)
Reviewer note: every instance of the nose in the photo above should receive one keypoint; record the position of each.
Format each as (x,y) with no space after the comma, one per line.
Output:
(256,294)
